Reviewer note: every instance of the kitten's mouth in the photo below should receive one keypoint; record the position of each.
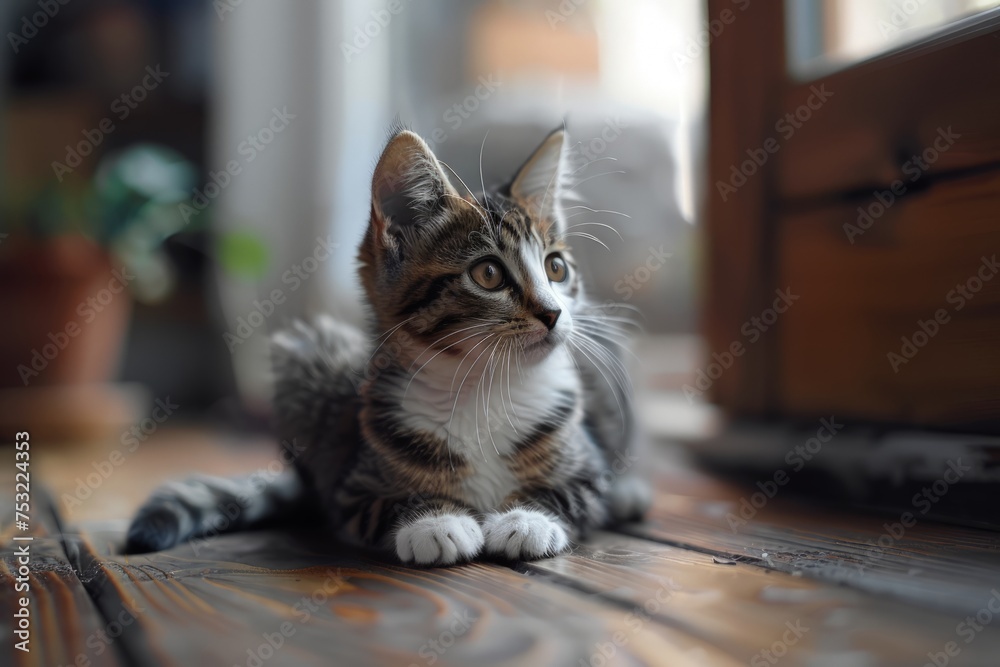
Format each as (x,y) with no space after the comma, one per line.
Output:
(538,342)
(534,337)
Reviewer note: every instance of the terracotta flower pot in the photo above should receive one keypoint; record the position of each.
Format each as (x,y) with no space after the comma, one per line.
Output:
(66,311)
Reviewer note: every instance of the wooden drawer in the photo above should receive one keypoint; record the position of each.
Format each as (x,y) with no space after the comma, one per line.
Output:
(841,349)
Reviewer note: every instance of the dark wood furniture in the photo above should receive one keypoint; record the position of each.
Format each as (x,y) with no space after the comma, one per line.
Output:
(877,204)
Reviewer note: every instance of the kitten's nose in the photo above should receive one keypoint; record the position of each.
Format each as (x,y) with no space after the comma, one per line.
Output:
(549,318)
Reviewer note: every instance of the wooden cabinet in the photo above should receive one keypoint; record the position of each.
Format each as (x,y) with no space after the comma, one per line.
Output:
(873,195)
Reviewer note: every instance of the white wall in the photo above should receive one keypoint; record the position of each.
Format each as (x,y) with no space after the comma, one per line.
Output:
(275,55)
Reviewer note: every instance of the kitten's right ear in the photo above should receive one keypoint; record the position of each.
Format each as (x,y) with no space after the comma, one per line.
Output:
(409,187)
(540,183)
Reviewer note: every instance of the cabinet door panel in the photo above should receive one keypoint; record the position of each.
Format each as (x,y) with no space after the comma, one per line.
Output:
(926,271)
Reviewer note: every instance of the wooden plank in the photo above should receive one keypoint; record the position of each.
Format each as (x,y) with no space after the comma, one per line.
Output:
(65,624)
(886,110)
(217,602)
(857,301)
(935,566)
(747,610)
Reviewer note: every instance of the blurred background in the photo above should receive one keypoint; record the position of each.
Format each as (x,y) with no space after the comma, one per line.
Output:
(181,177)
(220,154)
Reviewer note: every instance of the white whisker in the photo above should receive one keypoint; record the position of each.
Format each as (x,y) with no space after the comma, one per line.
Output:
(588,236)
(510,396)
(459,393)
(621,410)
(489,392)
(611,363)
(606,319)
(468,203)
(615,304)
(450,345)
(597,210)
(482,181)
(387,334)
(607,173)
(611,332)
(590,162)
(467,188)
(596,224)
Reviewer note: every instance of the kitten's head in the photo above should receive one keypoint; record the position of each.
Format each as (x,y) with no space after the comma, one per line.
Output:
(463,275)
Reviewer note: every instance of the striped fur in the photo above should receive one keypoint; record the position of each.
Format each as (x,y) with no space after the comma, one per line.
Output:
(483,415)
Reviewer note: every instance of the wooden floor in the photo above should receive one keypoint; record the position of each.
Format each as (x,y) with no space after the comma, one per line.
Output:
(795,585)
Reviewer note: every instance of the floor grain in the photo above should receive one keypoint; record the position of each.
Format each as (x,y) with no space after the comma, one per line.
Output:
(793,585)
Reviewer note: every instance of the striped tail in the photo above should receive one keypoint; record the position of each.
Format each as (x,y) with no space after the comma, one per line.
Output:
(203,506)
(315,409)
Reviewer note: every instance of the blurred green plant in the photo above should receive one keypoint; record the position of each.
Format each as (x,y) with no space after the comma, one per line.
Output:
(244,255)
(130,207)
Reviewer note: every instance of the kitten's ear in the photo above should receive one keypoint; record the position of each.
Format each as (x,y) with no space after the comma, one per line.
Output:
(541,182)
(408,187)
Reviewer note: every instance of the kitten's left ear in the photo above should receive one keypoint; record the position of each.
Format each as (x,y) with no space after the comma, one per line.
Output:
(541,182)
(409,187)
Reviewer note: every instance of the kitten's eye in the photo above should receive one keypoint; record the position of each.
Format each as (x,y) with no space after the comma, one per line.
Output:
(488,274)
(555,267)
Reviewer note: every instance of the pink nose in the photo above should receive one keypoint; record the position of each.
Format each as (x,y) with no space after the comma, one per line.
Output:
(549,318)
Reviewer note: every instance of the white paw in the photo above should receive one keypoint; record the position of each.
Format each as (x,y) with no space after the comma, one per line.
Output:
(442,539)
(629,498)
(523,534)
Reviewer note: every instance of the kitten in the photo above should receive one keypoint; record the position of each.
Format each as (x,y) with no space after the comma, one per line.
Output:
(491,416)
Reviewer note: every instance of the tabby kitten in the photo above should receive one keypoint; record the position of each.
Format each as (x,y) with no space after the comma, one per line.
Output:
(491,416)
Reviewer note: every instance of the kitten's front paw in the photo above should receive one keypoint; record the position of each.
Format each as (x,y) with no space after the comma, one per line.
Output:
(442,539)
(524,534)
(630,498)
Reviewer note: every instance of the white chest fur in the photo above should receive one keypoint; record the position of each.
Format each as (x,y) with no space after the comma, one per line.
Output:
(495,409)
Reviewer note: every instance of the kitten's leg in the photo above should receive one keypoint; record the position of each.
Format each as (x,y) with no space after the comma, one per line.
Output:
(421,530)
(424,531)
(203,506)
(368,508)
(544,522)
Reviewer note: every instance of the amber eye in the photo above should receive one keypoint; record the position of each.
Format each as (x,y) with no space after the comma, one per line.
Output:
(488,274)
(555,267)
